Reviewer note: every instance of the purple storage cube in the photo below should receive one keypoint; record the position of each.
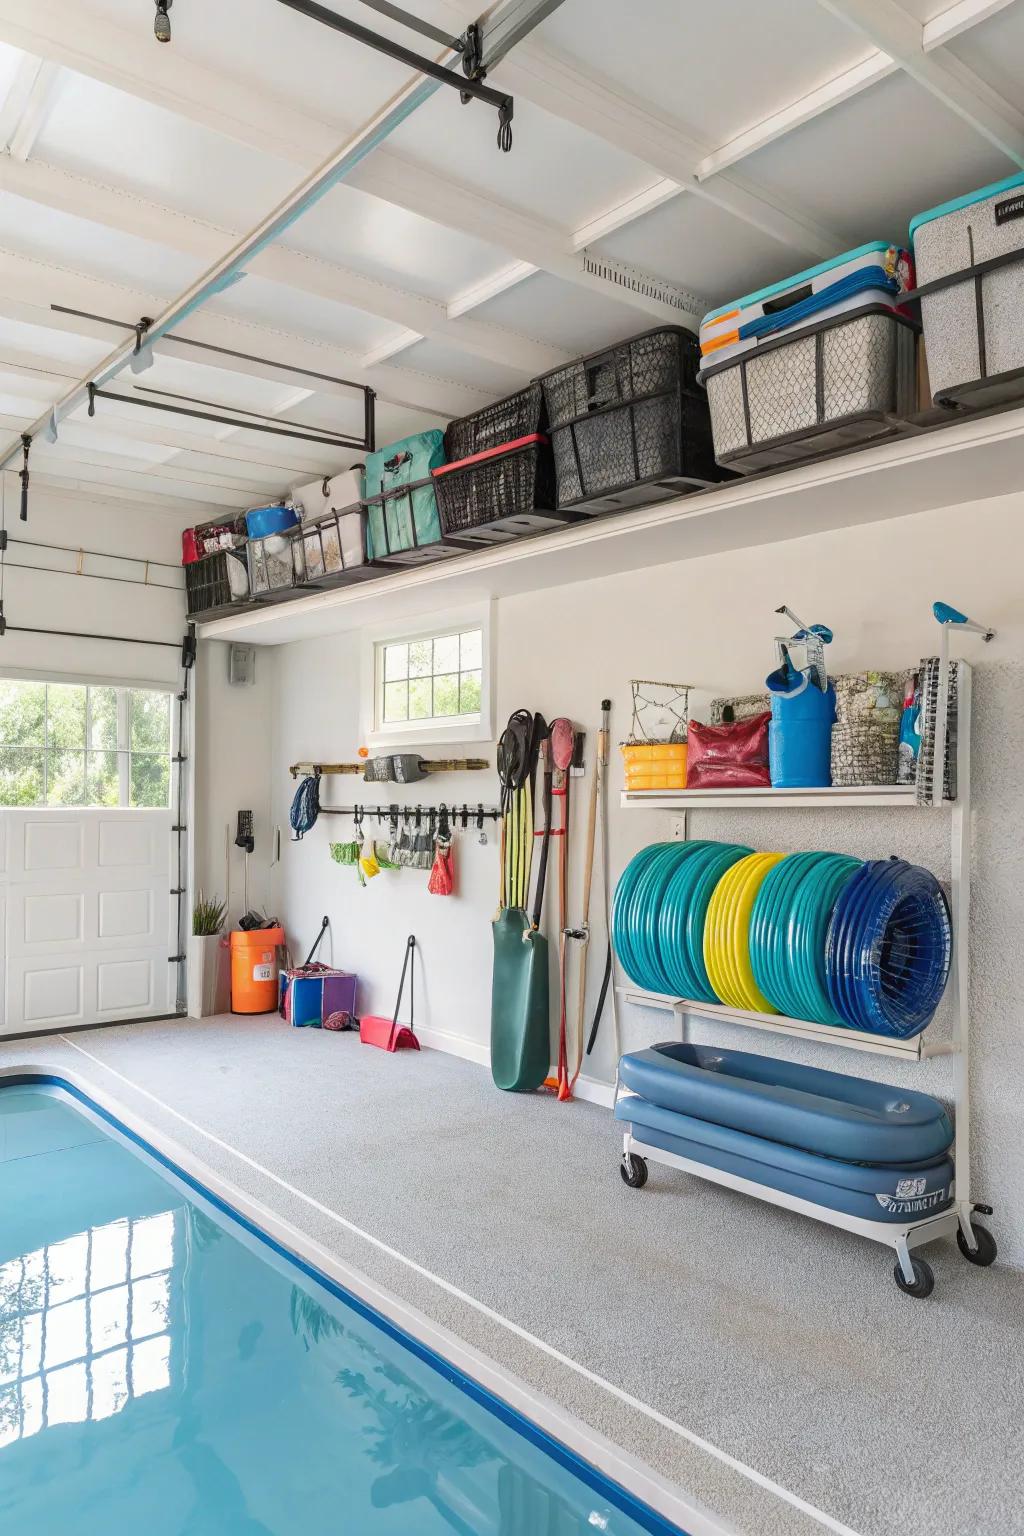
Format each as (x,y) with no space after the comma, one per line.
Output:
(339,994)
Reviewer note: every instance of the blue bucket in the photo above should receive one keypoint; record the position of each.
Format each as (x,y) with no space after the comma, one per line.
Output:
(800,738)
(263,521)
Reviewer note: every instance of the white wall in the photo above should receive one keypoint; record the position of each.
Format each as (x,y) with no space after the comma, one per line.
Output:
(711,622)
(234,730)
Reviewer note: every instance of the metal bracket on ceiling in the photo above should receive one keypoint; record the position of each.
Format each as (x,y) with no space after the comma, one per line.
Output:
(26,445)
(472,88)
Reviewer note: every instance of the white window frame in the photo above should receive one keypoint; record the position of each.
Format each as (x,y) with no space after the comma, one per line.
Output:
(431,733)
(123,688)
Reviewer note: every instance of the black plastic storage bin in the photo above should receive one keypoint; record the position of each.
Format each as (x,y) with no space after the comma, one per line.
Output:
(629,425)
(209,589)
(509,488)
(518,415)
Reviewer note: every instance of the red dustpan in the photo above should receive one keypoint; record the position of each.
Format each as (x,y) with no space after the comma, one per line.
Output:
(375,1029)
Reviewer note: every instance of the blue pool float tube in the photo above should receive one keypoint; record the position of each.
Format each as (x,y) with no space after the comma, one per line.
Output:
(824,1113)
(891,1193)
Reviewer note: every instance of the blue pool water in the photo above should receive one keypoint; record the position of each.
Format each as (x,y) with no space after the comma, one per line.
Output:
(166,1371)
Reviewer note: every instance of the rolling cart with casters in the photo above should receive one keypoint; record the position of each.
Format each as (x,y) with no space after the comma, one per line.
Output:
(906,1229)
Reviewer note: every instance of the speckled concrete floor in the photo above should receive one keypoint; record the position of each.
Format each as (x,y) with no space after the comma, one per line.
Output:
(784,1344)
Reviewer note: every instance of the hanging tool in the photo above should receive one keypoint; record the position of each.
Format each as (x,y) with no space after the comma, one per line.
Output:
(520,1002)
(563,748)
(245,840)
(598,801)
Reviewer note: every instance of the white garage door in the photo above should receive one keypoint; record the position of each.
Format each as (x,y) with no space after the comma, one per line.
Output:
(87,916)
(86,929)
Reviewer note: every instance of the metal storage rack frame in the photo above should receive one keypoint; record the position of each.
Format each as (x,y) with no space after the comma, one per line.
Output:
(903,1237)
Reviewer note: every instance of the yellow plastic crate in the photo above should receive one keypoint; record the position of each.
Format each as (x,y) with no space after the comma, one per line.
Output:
(655,764)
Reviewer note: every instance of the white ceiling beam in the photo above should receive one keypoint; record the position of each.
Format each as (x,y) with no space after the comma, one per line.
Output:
(625,212)
(557,84)
(490,287)
(895,32)
(832,93)
(21,93)
(45,79)
(959,18)
(28,289)
(604,224)
(126,59)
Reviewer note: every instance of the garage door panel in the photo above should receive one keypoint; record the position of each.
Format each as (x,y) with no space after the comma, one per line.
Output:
(47,846)
(49,993)
(52,917)
(129,844)
(125,914)
(87,924)
(129,985)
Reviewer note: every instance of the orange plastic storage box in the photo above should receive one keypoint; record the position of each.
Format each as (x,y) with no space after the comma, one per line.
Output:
(655,764)
(254,970)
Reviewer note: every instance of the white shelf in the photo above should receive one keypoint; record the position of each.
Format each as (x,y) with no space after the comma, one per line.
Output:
(804,1029)
(963,461)
(870,795)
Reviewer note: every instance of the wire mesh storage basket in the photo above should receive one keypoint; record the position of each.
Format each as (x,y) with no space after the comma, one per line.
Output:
(829,387)
(398,534)
(629,426)
(499,486)
(865,737)
(505,421)
(334,547)
(277,562)
(217,581)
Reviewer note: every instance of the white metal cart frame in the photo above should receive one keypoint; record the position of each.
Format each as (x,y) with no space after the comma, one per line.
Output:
(902,1237)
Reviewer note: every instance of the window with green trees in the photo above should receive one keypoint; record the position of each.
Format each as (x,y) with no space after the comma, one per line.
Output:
(84,744)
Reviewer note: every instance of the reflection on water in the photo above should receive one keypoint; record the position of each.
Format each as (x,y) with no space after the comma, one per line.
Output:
(84,1325)
(162,1373)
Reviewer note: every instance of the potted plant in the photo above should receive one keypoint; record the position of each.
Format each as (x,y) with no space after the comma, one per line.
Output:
(208,985)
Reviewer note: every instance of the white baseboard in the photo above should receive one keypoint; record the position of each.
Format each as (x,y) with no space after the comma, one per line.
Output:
(595,1092)
(587,1088)
(455,1045)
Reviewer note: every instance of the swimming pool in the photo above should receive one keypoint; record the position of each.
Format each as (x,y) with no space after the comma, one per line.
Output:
(168,1368)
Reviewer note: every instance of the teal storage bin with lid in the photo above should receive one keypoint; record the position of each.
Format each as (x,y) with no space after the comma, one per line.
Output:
(399,492)
(800,738)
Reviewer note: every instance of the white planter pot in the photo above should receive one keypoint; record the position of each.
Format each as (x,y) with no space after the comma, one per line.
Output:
(209,978)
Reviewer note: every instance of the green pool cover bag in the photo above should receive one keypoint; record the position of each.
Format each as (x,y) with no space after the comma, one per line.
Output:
(520,1043)
(409,519)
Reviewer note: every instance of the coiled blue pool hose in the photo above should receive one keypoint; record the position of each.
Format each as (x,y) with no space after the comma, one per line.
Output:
(888,948)
(788,925)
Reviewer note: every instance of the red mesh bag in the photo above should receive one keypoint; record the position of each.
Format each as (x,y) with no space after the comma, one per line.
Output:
(731,756)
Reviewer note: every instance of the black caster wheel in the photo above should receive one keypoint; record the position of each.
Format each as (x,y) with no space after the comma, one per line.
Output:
(923,1282)
(985,1253)
(634,1171)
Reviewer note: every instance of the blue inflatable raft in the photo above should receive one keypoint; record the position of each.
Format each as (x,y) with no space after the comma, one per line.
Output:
(845,1143)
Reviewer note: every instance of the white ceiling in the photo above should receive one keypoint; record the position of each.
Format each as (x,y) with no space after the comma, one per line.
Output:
(716,147)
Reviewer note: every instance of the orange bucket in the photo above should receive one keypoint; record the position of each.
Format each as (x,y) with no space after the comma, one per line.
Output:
(254,970)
